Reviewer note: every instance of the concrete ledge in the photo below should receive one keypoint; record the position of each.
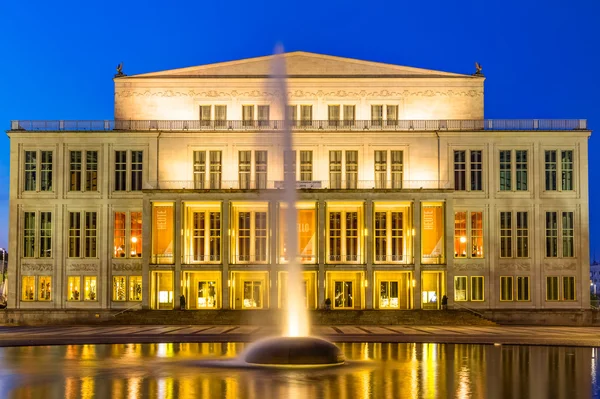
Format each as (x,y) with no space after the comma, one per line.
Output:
(574,317)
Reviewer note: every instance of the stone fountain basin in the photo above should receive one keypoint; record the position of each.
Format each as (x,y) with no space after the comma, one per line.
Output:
(293,352)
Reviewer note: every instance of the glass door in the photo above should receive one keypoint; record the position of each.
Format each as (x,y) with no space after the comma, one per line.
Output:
(253,295)
(344,295)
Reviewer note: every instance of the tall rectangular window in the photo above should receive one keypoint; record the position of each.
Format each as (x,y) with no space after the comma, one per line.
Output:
(397,168)
(349,115)
(261,169)
(306,115)
(505,234)
(252,236)
(468,234)
(29,235)
(127,235)
(199,169)
(205,236)
(335,169)
(263,115)
(30,170)
(376,115)
(551,234)
(506,288)
(91,234)
(215,169)
(568,250)
(476,171)
(389,236)
(45,234)
(75,171)
(289,164)
(333,115)
(522,235)
(87,247)
(343,236)
(523,288)
(552,288)
(137,164)
(521,170)
(135,288)
(460,235)
(391,115)
(460,289)
(244,168)
(351,169)
(505,170)
(306,165)
(460,171)
(380,169)
(74,234)
(568,292)
(46,176)
(205,115)
(550,169)
(247,115)
(119,235)
(476,288)
(292,113)
(120,170)
(220,115)
(566,168)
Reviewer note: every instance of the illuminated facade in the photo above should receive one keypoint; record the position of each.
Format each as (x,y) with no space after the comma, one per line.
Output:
(406,194)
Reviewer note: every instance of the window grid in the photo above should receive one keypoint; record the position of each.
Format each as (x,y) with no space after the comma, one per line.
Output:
(30,170)
(46,168)
(45,234)
(75,170)
(74,234)
(29,235)
(380,169)
(522,235)
(215,169)
(120,170)
(343,236)
(335,169)
(460,171)
(244,169)
(551,234)
(550,168)
(306,162)
(136,170)
(476,170)
(505,170)
(506,288)
(261,169)
(351,169)
(505,234)
(566,168)
(477,288)
(521,170)
(523,288)
(389,236)
(199,169)
(397,168)
(91,234)
(568,235)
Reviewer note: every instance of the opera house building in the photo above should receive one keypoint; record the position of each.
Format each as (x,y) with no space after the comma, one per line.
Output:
(406,194)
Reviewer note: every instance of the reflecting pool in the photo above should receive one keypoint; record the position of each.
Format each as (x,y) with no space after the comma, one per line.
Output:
(375,370)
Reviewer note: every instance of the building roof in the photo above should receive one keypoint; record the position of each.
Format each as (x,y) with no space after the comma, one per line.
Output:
(301,64)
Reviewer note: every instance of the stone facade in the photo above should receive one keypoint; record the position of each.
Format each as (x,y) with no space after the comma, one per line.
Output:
(420,121)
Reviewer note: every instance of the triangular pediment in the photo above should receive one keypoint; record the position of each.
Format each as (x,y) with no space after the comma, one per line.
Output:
(300,64)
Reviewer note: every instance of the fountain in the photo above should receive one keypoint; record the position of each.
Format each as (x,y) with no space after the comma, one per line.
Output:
(296,348)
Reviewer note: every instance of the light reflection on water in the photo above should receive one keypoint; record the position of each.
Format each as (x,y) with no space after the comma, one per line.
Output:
(376,370)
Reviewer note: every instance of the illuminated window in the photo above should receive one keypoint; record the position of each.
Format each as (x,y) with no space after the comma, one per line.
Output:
(38,162)
(250,234)
(119,288)
(389,235)
(28,288)
(199,169)
(376,115)
(506,288)
(203,227)
(162,290)
(523,288)
(135,288)
(344,294)
(460,288)
(260,169)
(562,244)
(343,238)
(306,232)
(333,115)
(388,294)
(468,234)
(564,169)
(162,233)
(132,163)
(215,169)
(476,288)
(432,233)
(205,115)
(44,288)
(83,161)
(74,288)
(349,115)
(89,291)
(253,293)
(244,168)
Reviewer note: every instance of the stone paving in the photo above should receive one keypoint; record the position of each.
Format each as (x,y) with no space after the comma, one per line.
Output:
(515,335)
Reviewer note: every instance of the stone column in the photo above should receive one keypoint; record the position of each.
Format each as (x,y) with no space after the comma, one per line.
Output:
(321,245)
(177,275)
(225,245)
(369,253)
(146,251)
(417,253)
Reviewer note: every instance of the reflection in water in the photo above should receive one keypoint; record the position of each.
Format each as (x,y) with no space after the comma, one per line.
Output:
(375,370)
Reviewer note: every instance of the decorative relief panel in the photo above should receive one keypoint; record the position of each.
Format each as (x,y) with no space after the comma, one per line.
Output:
(459,267)
(560,266)
(82,267)
(514,266)
(127,267)
(36,267)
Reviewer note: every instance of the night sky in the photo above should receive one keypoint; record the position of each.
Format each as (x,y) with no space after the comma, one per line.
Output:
(540,57)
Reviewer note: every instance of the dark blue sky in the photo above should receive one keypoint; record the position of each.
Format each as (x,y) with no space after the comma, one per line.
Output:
(541,57)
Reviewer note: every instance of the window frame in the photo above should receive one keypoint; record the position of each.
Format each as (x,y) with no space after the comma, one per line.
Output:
(389,236)
(253,210)
(560,237)
(128,234)
(520,237)
(88,171)
(87,247)
(128,172)
(559,170)
(515,171)
(469,170)
(39,239)
(506,290)
(209,234)
(37,176)
(343,256)
(470,218)
(473,291)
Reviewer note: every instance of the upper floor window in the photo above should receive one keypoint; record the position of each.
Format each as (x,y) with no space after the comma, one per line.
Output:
(247,115)
(336,168)
(344,236)
(306,115)
(468,234)
(333,115)
(83,171)
(289,164)
(214,167)
(128,163)
(263,115)
(127,235)
(306,165)
(396,170)
(83,234)
(37,235)
(391,115)
(390,226)
(220,115)
(250,242)
(203,234)
(468,174)
(376,115)
(245,169)
(38,163)
(513,168)
(349,115)
(514,234)
(553,168)
(559,243)
(260,169)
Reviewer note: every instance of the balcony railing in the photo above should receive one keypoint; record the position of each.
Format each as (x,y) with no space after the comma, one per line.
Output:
(310,125)
(316,185)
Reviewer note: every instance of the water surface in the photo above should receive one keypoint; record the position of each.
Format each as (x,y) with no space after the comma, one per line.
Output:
(375,370)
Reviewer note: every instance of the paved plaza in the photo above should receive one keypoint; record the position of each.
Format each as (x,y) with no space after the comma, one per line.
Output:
(60,335)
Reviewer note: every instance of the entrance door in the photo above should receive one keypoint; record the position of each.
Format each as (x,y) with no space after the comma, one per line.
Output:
(389,294)
(344,295)
(253,291)
(432,289)
(162,290)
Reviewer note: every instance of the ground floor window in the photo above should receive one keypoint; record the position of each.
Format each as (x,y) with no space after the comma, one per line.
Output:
(135,288)
(202,289)
(393,290)
(28,288)
(119,288)
(120,285)
(345,290)
(309,289)
(162,290)
(253,292)
(464,292)
(249,290)
(432,289)
(344,294)
(74,288)
(506,288)
(563,292)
